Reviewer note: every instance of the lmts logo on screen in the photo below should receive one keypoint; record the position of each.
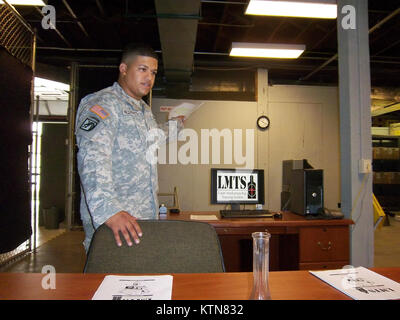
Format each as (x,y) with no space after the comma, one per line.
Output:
(236,186)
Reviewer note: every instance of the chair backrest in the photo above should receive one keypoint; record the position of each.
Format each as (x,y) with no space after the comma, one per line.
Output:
(167,246)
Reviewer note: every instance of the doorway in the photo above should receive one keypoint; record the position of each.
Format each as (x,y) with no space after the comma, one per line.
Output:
(48,160)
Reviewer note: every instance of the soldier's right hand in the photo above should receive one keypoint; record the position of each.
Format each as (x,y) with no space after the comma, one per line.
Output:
(126,224)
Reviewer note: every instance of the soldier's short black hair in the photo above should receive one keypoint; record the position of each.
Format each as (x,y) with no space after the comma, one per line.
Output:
(132,50)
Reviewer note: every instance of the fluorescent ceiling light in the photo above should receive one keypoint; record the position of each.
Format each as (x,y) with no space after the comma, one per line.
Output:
(267,50)
(25,2)
(325,9)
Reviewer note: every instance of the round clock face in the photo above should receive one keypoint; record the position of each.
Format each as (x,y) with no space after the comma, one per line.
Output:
(263,122)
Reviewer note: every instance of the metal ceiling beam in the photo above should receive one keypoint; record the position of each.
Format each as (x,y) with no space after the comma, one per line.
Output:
(100,7)
(75,17)
(218,33)
(387,60)
(272,35)
(384,20)
(387,48)
(374,28)
(177,25)
(303,31)
(308,76)
(326,36)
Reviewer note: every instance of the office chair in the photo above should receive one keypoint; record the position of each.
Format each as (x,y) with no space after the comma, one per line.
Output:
(167,246)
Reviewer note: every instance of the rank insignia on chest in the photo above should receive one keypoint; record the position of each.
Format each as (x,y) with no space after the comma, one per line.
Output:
(101,112)
(89,124)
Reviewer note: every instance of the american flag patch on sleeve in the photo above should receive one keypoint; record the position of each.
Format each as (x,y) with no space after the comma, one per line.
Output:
(101,112)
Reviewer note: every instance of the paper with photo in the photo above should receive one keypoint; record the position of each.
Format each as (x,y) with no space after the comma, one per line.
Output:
(135,288)
(361,283)
(184,109)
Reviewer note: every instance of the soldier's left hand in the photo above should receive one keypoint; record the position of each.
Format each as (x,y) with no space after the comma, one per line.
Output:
(126,224)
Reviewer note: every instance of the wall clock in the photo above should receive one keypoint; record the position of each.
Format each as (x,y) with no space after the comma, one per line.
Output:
(263,122)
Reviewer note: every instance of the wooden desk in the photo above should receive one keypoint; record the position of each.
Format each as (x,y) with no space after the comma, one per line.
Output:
(284,285)
(296,243)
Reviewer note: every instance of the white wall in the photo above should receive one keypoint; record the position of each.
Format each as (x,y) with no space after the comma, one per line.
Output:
(304,124)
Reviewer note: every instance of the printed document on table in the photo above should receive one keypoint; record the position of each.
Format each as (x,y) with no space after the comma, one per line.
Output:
(135,288)
(361,283)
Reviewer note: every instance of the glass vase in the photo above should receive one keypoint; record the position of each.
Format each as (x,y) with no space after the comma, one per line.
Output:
(260,266)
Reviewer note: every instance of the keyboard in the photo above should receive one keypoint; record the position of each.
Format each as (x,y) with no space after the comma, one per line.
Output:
(246,214)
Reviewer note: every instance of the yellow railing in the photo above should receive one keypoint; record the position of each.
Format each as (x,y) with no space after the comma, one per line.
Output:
(379,214)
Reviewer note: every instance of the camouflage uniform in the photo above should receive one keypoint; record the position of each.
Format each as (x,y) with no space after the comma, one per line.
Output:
(111,132)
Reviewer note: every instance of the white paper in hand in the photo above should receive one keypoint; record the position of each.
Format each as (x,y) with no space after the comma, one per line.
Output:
(184,109)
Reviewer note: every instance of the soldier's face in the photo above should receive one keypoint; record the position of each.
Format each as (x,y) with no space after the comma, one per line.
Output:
(138,76)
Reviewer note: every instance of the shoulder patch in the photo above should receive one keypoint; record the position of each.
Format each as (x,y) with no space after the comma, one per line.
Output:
(100,111)
(89,124)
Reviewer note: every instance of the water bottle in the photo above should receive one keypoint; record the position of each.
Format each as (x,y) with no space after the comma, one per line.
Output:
(163,211)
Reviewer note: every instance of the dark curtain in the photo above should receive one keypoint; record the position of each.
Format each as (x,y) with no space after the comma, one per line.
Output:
(90,81)
(15,135)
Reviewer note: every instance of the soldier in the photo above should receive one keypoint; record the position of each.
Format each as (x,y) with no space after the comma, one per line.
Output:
(118,184)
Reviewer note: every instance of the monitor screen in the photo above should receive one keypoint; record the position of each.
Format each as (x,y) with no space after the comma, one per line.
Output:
(237,186)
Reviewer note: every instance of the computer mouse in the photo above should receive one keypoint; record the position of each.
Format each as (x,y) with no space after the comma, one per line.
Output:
(278,215)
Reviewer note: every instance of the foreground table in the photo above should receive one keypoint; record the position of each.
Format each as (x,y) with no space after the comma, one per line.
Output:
(284,285)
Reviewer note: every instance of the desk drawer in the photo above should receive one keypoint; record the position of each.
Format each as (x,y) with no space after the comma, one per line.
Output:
(323,265)
(324,244)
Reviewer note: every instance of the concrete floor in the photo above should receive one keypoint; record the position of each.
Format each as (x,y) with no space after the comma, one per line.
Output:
(64,251)
(387,244)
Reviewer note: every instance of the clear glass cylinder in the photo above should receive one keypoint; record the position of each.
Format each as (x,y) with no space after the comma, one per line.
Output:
(260,266)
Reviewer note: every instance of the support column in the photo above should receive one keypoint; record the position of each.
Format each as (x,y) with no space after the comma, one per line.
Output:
(355,127)
(262,137)
(70,187)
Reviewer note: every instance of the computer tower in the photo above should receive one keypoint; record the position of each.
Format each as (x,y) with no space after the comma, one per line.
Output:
(306,191)
(287,167)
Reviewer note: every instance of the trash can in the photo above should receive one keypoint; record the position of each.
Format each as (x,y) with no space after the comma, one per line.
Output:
(51,219)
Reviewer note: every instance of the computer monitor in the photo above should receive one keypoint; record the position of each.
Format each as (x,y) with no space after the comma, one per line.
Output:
(237,186)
